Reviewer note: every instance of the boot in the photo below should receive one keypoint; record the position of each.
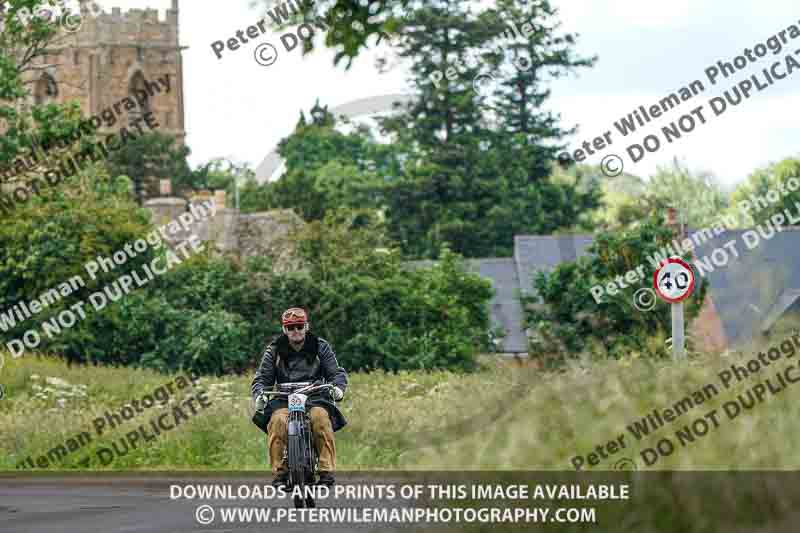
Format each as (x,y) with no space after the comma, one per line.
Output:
(326,478)
(281,479)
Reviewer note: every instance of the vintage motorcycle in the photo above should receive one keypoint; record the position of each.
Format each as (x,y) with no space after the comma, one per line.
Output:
(300,454)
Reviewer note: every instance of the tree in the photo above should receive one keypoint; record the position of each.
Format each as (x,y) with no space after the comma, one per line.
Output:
(325,169)
(622,200)
(384,315)
(698,197)
(774,177)
(148,158)
(222,173)
(50,239)
(567,321)
(476,174)
(350,26)
(536,53)
(23,40)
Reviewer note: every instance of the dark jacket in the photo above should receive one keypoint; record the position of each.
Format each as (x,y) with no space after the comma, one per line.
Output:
(280,363)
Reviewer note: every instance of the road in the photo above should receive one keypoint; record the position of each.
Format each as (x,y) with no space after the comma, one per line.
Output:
(106,503)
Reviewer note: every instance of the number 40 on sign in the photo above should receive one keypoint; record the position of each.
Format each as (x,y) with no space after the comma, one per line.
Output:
(674,282)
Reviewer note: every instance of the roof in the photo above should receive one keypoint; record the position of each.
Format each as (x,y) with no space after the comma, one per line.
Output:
(534,253)
(751,293)
(505,309)
(505,306)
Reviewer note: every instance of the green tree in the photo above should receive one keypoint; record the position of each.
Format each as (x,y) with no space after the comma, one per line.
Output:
(622,197)
(381,314)
(697,197)
(149,158)
(351,27)
(568,322)
(476,173)
(325,169)
(761,181)
(218,173)
(52,238)
(535,54)
(24,39)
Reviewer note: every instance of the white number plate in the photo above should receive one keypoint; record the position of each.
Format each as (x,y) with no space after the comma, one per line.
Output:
(297,402)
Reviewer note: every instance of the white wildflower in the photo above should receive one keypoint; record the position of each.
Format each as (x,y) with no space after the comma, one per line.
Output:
(58,382)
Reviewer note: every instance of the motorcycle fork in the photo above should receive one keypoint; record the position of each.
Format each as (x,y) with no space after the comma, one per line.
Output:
(298,421)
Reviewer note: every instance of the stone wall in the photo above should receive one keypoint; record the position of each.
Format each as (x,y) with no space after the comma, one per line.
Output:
(269,234)
(100,64)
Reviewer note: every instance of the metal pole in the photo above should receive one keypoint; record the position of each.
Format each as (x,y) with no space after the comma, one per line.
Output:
(677,331)
(236,188)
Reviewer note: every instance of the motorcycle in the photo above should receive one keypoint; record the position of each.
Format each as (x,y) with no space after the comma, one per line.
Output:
(300,454)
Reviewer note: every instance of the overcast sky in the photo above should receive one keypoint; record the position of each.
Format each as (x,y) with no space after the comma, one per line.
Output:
(647,49)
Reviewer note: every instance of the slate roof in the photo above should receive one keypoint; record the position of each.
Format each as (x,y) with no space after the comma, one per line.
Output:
(505,308)
(534,253)
(751,293)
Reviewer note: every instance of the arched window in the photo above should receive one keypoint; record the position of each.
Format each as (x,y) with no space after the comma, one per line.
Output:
(138,84)
(46,89)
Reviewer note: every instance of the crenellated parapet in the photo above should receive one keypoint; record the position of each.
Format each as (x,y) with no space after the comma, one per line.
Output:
(112,56)
(135,27)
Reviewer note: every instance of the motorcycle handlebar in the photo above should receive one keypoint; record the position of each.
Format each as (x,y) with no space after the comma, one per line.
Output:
(304,390)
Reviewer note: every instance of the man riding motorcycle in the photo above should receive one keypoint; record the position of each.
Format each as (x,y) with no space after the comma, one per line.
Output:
(298,356)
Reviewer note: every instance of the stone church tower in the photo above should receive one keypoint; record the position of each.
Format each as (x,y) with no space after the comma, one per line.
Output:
(110,57)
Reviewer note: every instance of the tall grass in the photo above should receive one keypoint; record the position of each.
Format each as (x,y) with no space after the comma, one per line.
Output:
(506,416)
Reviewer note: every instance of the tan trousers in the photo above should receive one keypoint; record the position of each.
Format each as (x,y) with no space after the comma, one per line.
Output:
(321,429)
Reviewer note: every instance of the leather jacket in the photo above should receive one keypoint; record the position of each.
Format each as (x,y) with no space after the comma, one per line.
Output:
(280,363)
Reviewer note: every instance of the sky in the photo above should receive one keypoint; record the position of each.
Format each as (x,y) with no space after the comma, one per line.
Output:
(646,50)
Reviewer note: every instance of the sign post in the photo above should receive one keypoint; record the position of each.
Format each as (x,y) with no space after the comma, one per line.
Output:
(674,282)
(677,331)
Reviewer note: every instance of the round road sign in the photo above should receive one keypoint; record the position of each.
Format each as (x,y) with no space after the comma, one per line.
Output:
(674,280)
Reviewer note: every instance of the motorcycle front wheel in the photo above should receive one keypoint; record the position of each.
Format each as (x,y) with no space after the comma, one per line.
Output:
(298,469)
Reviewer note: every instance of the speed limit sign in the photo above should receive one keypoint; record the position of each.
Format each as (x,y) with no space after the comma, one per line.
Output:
(674,280)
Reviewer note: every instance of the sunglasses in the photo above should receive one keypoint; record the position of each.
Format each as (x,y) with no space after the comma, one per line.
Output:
(295,327)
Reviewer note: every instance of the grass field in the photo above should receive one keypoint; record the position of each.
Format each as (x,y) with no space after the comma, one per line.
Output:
(508,416)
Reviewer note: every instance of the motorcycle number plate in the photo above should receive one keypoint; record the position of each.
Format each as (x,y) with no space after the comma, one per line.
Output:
(297,402)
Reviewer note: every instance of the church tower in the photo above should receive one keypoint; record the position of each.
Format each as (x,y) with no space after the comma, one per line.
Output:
(110,57)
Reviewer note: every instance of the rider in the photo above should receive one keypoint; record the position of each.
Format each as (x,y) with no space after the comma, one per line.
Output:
(296,356)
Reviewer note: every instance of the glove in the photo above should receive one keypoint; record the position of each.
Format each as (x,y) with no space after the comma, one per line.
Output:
(338,394)
(260,403)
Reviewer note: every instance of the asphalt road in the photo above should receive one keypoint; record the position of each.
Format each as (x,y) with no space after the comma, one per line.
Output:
(101,503)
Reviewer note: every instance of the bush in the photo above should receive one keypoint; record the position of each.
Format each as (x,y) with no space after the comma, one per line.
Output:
(187,320)
(379,314)
(429,318)
(569,322)
(214,315)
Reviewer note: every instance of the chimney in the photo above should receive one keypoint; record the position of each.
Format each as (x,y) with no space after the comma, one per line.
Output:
(219,199)
(165,187)
(674,224)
